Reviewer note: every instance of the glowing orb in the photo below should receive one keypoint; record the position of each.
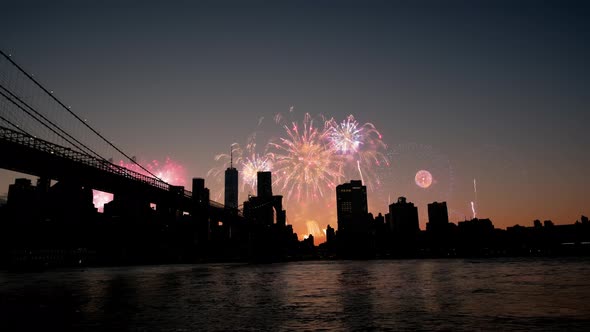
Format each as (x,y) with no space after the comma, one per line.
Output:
(423,179)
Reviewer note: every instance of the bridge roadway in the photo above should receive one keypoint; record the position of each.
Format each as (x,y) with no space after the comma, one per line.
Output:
(22,153)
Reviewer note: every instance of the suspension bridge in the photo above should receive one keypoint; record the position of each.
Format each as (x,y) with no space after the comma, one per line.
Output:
(40,135)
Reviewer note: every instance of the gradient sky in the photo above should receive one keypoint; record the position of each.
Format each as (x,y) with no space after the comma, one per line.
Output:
(492,91)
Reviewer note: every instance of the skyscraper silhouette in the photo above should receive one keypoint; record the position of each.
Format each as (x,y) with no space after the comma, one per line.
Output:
(353,220)
(405,228)
(438,217)
(231,186)
(264,185)
(404,217)
(351,205)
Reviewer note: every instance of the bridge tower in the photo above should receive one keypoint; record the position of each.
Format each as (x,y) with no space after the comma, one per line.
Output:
(200,209)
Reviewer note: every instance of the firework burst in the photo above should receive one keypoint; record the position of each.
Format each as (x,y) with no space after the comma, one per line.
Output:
(360,146)
(169,171)
(248,162)
(345,137)
(308,160)
(250,166)
(305,163)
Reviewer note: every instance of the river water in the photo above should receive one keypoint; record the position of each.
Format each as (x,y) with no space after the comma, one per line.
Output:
(501,294)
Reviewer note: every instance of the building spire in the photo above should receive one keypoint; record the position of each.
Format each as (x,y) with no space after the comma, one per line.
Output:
(231,156)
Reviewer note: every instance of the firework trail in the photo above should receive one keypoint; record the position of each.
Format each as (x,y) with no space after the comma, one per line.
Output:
(358,165)
(474,204)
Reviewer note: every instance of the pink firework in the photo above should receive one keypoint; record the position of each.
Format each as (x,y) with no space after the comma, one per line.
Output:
(170,172)
(100,198)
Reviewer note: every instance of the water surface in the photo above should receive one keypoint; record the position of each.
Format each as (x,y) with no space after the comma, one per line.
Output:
(508,294)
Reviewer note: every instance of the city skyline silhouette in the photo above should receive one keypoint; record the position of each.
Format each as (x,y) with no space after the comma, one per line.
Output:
(472,93)
(56,225)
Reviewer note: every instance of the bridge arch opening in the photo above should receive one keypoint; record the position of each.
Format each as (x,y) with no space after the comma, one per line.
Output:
(100,198)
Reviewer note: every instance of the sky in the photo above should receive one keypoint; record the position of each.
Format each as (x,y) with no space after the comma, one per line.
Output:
(490,97)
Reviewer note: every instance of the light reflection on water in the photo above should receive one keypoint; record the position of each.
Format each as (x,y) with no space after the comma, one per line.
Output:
(515,294)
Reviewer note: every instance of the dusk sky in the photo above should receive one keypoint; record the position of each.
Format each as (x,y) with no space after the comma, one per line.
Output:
(496,92)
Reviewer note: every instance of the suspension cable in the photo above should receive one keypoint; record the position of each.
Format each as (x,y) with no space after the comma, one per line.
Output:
(15,126)
(75,115)
(41,122)
(50,122)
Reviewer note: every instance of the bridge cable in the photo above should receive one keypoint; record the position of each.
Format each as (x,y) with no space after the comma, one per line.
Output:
(50,122)
(75,115)
(15,126)
(44,124)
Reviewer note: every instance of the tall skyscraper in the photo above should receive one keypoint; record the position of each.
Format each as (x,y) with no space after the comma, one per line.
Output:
(351,205)
(231,186)
(264,184)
